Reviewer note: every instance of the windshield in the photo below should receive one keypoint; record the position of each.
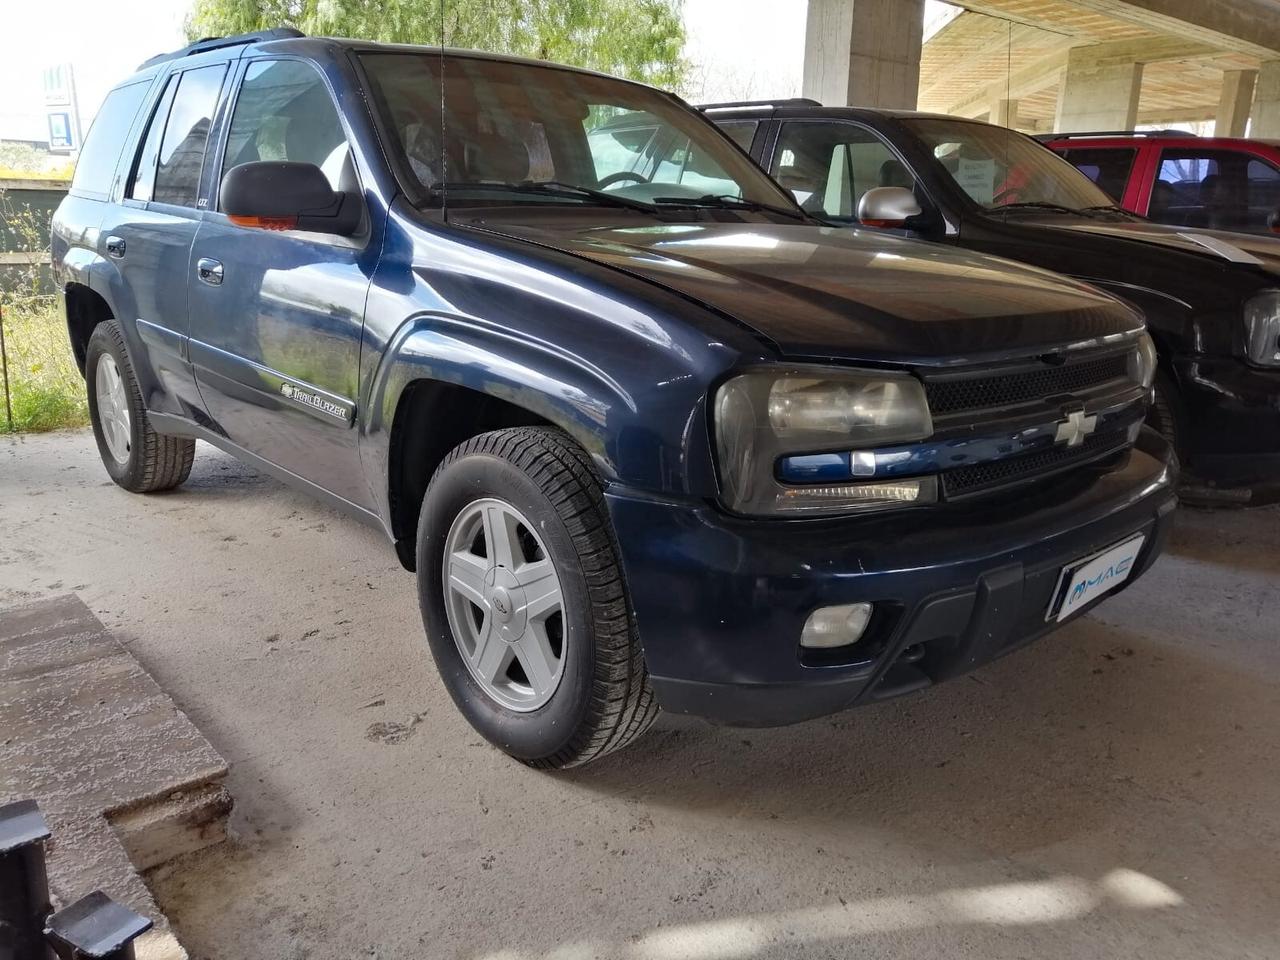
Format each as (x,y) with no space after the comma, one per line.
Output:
(519,133)
(998,168)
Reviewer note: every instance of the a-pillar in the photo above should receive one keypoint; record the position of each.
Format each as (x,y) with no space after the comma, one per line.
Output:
(864,52)
(1098,93)
(1235,103)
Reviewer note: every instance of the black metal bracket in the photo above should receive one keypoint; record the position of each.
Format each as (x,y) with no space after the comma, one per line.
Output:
(95,927)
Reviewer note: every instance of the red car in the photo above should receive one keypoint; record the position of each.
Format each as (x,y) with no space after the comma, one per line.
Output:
(1173,177)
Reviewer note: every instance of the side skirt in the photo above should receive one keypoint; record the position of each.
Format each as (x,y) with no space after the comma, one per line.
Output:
(181,427)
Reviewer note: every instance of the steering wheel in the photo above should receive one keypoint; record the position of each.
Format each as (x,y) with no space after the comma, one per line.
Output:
(619,177)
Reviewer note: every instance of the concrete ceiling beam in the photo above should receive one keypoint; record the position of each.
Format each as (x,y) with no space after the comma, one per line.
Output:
(1241,26)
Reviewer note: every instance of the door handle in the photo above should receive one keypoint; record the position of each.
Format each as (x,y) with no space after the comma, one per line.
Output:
(210,271)
(115,247)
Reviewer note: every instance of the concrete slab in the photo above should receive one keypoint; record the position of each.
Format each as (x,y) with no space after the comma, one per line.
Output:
(1110,792)
(125,780)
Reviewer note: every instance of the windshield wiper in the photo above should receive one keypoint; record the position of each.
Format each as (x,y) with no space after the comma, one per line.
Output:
(1036,205)
(728,201)
(1112,208)
(546,188)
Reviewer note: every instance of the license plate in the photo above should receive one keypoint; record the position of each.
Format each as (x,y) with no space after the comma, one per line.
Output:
(1086,580)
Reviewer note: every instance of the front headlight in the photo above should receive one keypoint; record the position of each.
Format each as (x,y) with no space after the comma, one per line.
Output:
(765,415)
(1262,328)
(1142,362)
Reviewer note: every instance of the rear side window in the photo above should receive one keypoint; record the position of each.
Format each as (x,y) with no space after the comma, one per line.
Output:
(186,133)
(284,112)
(1109,169)
(105,142)
(1218,189)
(143,181)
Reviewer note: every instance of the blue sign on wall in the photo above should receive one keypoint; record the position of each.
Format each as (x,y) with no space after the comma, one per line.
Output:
(61,132)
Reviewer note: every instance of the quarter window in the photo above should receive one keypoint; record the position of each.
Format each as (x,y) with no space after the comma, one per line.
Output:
(284,112)
(97,165)
(741,132)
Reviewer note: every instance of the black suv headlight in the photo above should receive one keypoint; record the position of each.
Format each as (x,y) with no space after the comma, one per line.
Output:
(1142,362)
(1262,328)
(764,415)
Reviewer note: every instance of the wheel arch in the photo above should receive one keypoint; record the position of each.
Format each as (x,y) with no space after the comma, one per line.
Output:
(432,417)
(85,310)
(637,411)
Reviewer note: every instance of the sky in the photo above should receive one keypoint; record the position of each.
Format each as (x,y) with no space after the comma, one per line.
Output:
(104,43)
(740,49)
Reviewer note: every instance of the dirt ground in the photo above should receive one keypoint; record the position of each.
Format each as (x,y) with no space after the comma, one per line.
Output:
(1113,791)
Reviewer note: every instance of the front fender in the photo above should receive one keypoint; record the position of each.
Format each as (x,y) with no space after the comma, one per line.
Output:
(577,396)
(620,364)
(1176,326)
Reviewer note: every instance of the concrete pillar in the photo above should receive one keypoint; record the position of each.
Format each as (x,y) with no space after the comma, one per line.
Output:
(1004,113)
(1098,93)
(1266,101)
(1235,103)
(864,52)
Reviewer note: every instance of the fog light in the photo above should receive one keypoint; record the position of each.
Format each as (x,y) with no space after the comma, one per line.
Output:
(836,626)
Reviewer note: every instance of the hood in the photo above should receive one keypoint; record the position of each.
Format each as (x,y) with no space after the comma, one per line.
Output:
(832,292)
(1253,251)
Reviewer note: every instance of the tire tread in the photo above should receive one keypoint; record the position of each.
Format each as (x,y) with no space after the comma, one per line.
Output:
(622,703)
(162,462)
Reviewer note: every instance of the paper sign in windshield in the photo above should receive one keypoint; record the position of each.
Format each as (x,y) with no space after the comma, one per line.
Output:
(977,178)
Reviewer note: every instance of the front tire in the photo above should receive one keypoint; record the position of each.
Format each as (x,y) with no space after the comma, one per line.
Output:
(524,603)
(1165,416)
(136,457)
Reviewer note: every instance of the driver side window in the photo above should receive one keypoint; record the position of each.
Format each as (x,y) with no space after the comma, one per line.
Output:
(284,112)
(828,166)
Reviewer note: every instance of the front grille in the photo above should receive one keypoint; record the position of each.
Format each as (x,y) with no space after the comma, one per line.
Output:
(1010,389)
(997,473)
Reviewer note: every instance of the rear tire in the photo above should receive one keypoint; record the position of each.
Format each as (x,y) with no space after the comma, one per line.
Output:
(590,694)
(136,457)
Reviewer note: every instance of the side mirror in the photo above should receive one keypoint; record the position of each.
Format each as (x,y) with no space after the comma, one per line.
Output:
(285,195)
(887,207)
(1273,222)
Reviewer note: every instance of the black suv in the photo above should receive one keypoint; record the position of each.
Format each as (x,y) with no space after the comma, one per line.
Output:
(646,440)
(1212,299)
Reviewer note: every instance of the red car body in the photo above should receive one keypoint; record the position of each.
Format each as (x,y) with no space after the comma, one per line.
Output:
(1219,183)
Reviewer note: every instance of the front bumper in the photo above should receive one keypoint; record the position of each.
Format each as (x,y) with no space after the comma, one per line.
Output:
(1233,420)
(720,602)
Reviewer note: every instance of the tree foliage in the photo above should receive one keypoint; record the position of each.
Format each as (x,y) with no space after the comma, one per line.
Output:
(638,39)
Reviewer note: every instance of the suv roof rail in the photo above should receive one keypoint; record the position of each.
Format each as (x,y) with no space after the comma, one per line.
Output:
(213,43)
(1099,134)
(787,102)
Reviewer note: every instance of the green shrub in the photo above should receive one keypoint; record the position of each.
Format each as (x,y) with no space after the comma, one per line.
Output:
(46,389)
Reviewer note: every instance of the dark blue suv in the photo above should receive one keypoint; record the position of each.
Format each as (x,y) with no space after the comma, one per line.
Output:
(647,438)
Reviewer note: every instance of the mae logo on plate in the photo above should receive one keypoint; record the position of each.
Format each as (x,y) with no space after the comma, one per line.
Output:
(1082,583)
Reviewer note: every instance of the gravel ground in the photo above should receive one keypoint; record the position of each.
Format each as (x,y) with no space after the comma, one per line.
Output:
(1113,791)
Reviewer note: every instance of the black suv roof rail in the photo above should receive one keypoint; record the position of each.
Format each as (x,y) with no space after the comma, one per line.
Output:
(1099,134)
(213,43)
(788,102)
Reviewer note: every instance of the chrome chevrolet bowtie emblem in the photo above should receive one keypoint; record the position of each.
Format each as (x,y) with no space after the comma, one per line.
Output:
(1075,428)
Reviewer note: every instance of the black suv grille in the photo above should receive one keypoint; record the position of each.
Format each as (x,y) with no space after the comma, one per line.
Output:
(983,476)
(1003,390)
